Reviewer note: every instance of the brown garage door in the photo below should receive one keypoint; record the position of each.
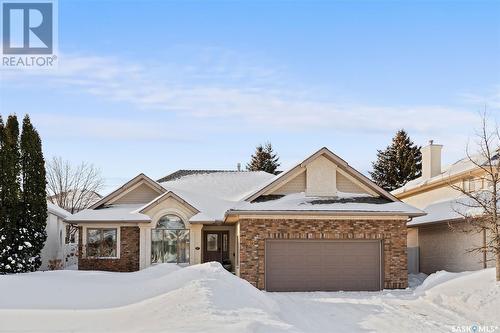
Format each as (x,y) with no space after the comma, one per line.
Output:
(312,265)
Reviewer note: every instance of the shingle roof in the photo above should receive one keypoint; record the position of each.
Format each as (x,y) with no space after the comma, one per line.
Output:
(185,172)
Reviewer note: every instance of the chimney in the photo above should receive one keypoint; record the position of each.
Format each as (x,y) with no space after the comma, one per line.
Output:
(238,166)
(431,160)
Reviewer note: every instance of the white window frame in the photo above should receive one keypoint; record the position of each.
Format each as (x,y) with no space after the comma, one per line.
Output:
(100,226)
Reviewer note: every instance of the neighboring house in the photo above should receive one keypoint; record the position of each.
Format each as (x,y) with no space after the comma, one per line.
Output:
(435,241)
(321,225)
(75,200)
(59,250)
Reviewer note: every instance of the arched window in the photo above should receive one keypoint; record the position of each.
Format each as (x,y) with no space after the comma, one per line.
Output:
(170,241)
(170,221)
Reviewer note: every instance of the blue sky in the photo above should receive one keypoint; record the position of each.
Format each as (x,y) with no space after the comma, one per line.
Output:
(153,86)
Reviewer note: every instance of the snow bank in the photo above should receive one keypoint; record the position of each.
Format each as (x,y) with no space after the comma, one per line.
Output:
(69,289)
(415,280)
(473,295)
(162,298)
(98,290)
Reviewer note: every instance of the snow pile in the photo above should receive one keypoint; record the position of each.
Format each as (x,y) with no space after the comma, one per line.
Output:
(473,295)
(207,298)
(415,280)
(162,298)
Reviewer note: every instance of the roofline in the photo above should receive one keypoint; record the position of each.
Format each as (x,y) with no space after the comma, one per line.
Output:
(443,181)
(166,195)
(125,186)
(57,213)
(106,221)
(425,224)
(322,212)
(340,163)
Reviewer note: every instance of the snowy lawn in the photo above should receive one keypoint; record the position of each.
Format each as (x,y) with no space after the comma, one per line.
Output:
(207,298)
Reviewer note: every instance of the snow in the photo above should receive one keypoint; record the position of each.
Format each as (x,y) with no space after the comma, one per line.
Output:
(113,213)
(213,194)
(207,298)
(460,166)
(415,280)
(301,202)
(58,211)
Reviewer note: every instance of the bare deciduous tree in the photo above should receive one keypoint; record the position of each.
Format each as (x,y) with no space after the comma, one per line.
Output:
(479,205)
(73,187)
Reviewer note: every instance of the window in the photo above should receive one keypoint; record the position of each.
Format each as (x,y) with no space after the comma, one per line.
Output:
(71,232)
(212,242)
(170,241)
(101,243)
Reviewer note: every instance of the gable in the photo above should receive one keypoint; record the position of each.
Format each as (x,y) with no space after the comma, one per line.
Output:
(130,186)
(296,184)
(348,185)
(169,203)
(143,193)
(321,174)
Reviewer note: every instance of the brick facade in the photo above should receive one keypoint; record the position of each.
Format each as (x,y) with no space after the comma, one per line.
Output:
(254,232)
(129,254)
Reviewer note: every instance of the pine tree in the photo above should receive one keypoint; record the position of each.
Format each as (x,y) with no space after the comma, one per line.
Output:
(398,163)
(34,203)
(10,261)
(264,159)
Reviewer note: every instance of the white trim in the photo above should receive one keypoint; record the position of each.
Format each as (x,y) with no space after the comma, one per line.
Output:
(130,189)
(99,226)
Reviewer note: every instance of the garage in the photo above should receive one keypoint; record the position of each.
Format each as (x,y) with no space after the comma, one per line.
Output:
(323,265)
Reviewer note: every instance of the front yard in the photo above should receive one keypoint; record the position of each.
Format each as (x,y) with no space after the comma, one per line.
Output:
(209,299)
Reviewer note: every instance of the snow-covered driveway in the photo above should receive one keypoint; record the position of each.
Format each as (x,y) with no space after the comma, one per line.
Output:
(206,298)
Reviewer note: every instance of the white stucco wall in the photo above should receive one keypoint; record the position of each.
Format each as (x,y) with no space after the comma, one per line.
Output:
(55,248)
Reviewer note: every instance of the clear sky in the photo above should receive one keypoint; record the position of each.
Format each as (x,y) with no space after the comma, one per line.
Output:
(154,86)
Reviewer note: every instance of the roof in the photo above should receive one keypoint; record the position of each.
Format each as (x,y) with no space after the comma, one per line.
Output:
(463,165)
(137,179)
(184,172)
(112,213)
(338,161)
(212,194)
(452,209)
(58,211)
(345,203)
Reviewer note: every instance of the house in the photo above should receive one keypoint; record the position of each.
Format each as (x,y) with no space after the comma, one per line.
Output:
(75,200)
(320,225)
(59,250)
(435,241)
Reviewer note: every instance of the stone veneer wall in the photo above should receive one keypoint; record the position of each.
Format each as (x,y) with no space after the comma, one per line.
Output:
(254,232)
(129,254)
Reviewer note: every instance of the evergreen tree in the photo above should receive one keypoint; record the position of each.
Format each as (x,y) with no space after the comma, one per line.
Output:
(398,163)
(10,195)
(264,159)
(34,202)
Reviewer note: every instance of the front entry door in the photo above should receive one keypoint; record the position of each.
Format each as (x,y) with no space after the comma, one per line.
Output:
(216,246)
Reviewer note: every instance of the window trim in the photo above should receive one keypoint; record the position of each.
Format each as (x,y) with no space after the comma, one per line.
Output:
(177,231)
(102,227)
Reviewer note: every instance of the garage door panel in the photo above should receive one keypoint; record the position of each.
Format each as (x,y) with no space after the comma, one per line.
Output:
(308,265)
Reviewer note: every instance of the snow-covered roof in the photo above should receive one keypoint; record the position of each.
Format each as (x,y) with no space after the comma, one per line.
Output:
(454,209)
(118,213)
(212,194)
(438,212)
(58,211)
(463,165)
(343,202)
